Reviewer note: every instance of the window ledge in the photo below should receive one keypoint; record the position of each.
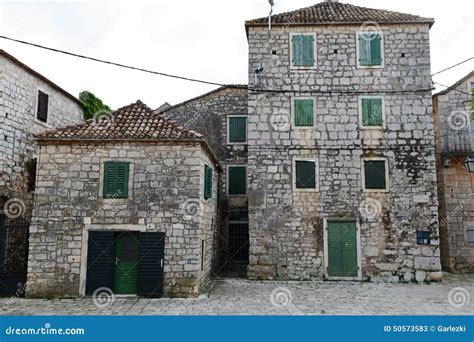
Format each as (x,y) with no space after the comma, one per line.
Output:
(42,123)
(376,190)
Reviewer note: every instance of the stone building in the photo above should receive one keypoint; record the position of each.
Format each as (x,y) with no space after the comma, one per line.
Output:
(128,202)
(452,109)
(341,148)
(221,116)
(29,102)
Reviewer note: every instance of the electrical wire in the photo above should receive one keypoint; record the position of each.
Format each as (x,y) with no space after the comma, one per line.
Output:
(452,66)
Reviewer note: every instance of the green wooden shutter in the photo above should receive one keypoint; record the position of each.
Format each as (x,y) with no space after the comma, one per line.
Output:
(342,249)
(366,112)
(372,112)
(308,50)
(375,49)
(237,180)
(375,174)
(207,182)
(298,43)
(305,174)
(237,129)
(116,177)
(304,112)
(364,49)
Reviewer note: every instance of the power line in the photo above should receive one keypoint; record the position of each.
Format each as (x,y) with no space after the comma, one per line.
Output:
(459,91)
(453,66)
(112,63)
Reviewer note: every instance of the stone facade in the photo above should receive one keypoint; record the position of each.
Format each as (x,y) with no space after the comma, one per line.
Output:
(19,87)
(165,195)
(452,111)
(287,226)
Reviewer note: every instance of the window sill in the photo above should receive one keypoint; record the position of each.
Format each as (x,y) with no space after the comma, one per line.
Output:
(237,143)
(305,190)
(304,128)
(301,68)
(361,67)
(380,128)
(42,123)
(376,190)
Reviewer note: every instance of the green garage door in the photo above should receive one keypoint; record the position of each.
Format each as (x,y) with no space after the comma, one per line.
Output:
(342,248)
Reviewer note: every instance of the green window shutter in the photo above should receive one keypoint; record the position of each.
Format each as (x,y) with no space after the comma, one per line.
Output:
(298,43)
(207,182)
(305,174)
(364,49)
(372,112)
(116,177)
(237,129)
(374,171)
(304,112)
(237,180)
(376,49)
(308,50)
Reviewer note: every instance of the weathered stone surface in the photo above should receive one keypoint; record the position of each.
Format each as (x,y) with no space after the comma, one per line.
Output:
(434,276)
(427,263)
(420,276)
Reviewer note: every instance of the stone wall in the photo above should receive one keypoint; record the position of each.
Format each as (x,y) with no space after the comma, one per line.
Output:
(165,195)
(18,101)
(286,226)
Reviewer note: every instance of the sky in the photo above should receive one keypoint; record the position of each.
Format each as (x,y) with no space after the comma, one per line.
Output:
(199,39)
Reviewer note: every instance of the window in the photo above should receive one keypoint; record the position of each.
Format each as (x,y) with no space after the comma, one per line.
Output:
(370,49)
(304,173)
(237,180)
(116,179)
(470,234)
(303,52)
(42,110)
(31,172)
(203,249)
(372,111)
(236,129)
(207,182)
(375,174)
(423,237)
(303,112)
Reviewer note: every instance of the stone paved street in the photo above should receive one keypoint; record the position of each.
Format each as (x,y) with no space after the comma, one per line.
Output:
(244,297)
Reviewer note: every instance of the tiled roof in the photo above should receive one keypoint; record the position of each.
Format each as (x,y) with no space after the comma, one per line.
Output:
(331,12)
(133,122)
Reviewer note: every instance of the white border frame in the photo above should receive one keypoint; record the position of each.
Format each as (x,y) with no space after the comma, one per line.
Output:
(382,51)
(361,116)
(228,178)
(326,252)
(387,180)
(316,173)
(290,50)
(292,114)
(246,130)
(130,179)
(38,121)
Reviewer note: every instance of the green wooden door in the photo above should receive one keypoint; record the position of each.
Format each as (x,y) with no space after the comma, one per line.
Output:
(125,264)
(342,248)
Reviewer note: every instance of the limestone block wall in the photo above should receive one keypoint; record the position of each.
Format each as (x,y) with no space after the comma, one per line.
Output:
(286,226)
(165,195)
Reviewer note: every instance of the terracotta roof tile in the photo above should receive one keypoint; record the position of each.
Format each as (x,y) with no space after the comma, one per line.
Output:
(133,122)
(330,12)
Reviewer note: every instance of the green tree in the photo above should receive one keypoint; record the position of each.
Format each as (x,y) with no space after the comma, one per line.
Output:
(93,106)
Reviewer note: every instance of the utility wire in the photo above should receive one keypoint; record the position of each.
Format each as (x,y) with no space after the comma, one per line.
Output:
(459,91)
(453,66)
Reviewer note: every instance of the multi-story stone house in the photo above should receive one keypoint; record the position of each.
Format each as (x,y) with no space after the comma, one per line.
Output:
(453,110)
(29,102)
(127,203)
(341,149)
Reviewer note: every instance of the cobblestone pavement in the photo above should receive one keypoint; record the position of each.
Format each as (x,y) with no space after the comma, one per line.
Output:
(245,297)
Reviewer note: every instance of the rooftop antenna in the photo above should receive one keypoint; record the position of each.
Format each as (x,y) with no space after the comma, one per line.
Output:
(272,3)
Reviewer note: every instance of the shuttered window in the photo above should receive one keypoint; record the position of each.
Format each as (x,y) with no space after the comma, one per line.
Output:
(42,110)
(370,49)
(116,179)
(372,112)
(303,50)
(374,172)
(237,183)
(207,182)
(237,130)
(305,174)
(304,112)
(470,234)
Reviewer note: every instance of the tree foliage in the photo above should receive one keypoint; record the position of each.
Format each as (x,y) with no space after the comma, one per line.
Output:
(93,106)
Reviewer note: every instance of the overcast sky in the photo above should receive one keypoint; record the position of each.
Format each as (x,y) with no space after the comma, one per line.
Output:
(200,39)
